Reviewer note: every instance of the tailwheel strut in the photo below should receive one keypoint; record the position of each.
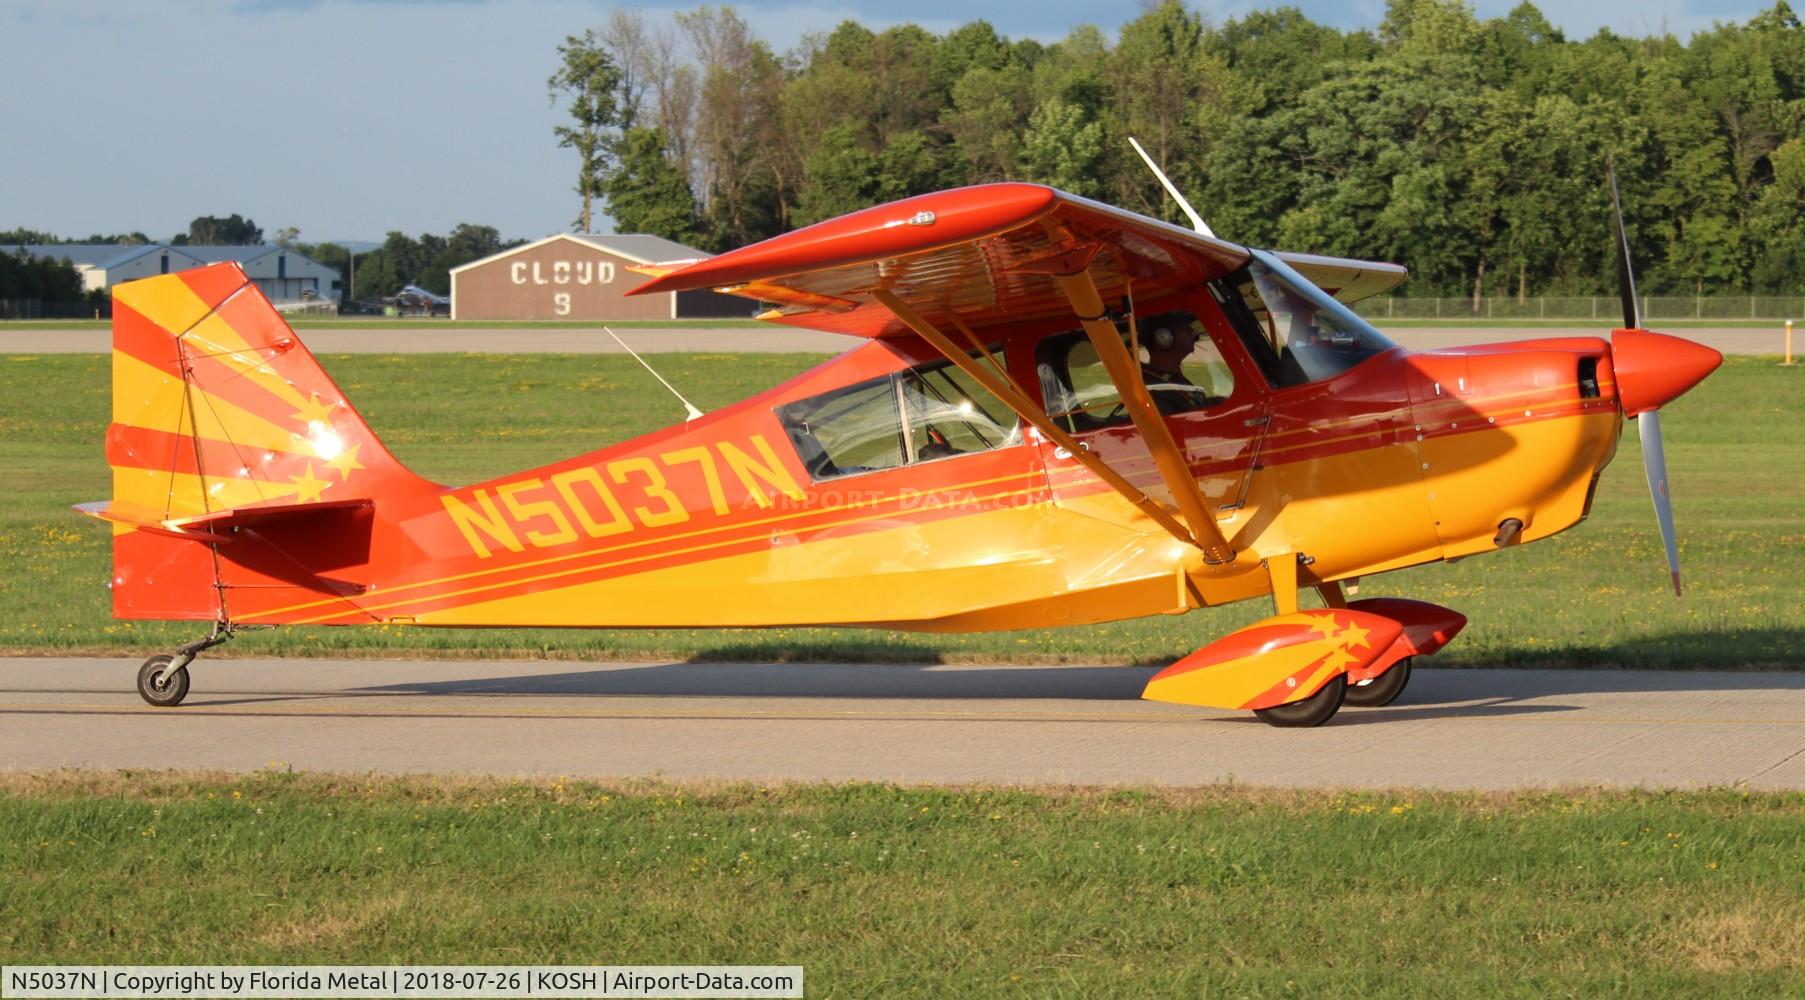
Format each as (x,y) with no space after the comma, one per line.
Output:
(163,679)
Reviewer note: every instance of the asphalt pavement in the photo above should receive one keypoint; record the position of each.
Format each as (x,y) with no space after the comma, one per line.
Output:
(1456,729)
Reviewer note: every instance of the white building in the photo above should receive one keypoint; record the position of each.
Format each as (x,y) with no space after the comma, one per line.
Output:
(283,275)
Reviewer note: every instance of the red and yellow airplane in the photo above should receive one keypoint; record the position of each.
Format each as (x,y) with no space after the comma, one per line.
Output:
(1060,413)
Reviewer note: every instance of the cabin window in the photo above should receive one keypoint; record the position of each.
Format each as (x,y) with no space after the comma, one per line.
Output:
(920,414)
(1183,370)
(951,414)
(1295,332)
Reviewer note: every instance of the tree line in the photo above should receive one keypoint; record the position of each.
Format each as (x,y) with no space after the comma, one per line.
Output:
(380,272)
(1471,150)
(425,260)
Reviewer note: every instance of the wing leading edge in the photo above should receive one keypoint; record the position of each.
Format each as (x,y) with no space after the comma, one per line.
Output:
(977,254)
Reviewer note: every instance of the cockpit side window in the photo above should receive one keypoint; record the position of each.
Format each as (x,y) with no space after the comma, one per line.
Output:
(1296,333)
(1180,365)
(847,431)
(920,414)
(951,414)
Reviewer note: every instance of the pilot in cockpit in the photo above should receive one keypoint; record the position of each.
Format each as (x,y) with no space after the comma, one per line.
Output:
(1169,339)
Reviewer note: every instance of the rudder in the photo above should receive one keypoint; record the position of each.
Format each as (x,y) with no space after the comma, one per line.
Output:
(217,407)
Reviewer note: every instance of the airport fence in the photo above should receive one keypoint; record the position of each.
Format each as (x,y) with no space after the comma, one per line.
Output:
(1603,308)
(39,309)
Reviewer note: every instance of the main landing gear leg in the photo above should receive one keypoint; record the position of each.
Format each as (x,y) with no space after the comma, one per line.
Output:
(163,679)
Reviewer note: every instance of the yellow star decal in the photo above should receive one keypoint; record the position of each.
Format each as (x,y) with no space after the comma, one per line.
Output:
(313,410)
(308,488)
(1324,626)
(1340,658)
(346,462)
(1353,637)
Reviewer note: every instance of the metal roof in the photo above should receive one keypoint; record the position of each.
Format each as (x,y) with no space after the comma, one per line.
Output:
(647,248)
(99,255)
(639,248)
(216,254)
(105,256)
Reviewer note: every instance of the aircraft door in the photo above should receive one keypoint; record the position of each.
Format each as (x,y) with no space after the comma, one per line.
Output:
(1216,419)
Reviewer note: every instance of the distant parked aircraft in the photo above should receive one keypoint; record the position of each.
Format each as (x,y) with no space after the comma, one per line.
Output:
(414,300)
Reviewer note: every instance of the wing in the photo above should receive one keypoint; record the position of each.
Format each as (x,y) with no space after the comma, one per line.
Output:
(973,257)
(978,254)
(1346,279)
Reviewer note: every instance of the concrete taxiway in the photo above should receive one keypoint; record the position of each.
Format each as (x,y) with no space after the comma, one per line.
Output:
(1476,729)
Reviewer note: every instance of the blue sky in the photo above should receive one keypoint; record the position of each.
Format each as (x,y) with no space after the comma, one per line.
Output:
(349,118)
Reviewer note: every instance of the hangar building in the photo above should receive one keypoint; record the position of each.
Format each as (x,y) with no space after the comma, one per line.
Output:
(581,276)
(284,276)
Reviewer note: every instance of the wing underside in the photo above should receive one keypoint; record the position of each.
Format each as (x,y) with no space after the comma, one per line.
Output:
(979,256)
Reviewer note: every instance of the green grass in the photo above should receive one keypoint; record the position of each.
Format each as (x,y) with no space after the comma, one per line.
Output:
(1591,597)
(883,891)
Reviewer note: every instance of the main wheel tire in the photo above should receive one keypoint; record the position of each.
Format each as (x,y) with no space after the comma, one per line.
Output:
(1384,689)
(160,686)
(1312,711)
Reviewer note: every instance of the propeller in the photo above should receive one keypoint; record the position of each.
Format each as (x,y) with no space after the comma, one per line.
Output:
(1650,369)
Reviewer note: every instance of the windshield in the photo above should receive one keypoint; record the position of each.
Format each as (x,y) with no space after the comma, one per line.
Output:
(1297,332)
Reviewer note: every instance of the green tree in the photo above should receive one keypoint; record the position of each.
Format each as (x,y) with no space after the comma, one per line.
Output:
(989,109)
(212,230)
(24,276)
(745,195)
(648,193)
(1063,147)
(842,177)
(587,79)
(1174,97)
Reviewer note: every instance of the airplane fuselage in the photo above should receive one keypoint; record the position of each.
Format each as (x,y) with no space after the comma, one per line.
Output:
(1399,460)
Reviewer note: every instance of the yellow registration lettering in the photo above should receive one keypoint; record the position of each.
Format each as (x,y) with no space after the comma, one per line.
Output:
(489,522)
(524,511)
(710,474)
(655,488)
(617,518)
(750,471)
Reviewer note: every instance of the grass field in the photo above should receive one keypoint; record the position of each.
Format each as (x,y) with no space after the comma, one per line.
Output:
(1592,597)
(884,891)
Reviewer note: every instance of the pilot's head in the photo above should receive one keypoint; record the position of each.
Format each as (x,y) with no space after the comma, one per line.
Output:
(1170,339)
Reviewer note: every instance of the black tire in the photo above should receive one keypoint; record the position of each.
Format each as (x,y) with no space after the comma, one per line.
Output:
(1384,689)
(1312,711)
(160,686)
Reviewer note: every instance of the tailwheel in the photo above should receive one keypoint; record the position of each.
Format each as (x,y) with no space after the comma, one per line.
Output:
(160,685)
(1383,689)
(1312,711)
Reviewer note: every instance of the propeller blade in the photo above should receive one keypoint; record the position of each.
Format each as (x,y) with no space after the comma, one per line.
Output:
(1654,462)
(1626,277)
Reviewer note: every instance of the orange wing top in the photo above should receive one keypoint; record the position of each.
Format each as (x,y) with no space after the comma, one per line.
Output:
(973,256)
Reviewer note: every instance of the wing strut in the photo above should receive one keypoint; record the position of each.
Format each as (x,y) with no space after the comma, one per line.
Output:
(1034,415)
(1125,372)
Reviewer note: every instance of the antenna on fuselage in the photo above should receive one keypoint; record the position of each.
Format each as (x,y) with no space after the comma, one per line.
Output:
(1196,220)
(687,405)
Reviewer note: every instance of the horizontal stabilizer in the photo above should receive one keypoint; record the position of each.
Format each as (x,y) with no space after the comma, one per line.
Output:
(144,519)
(222,525)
